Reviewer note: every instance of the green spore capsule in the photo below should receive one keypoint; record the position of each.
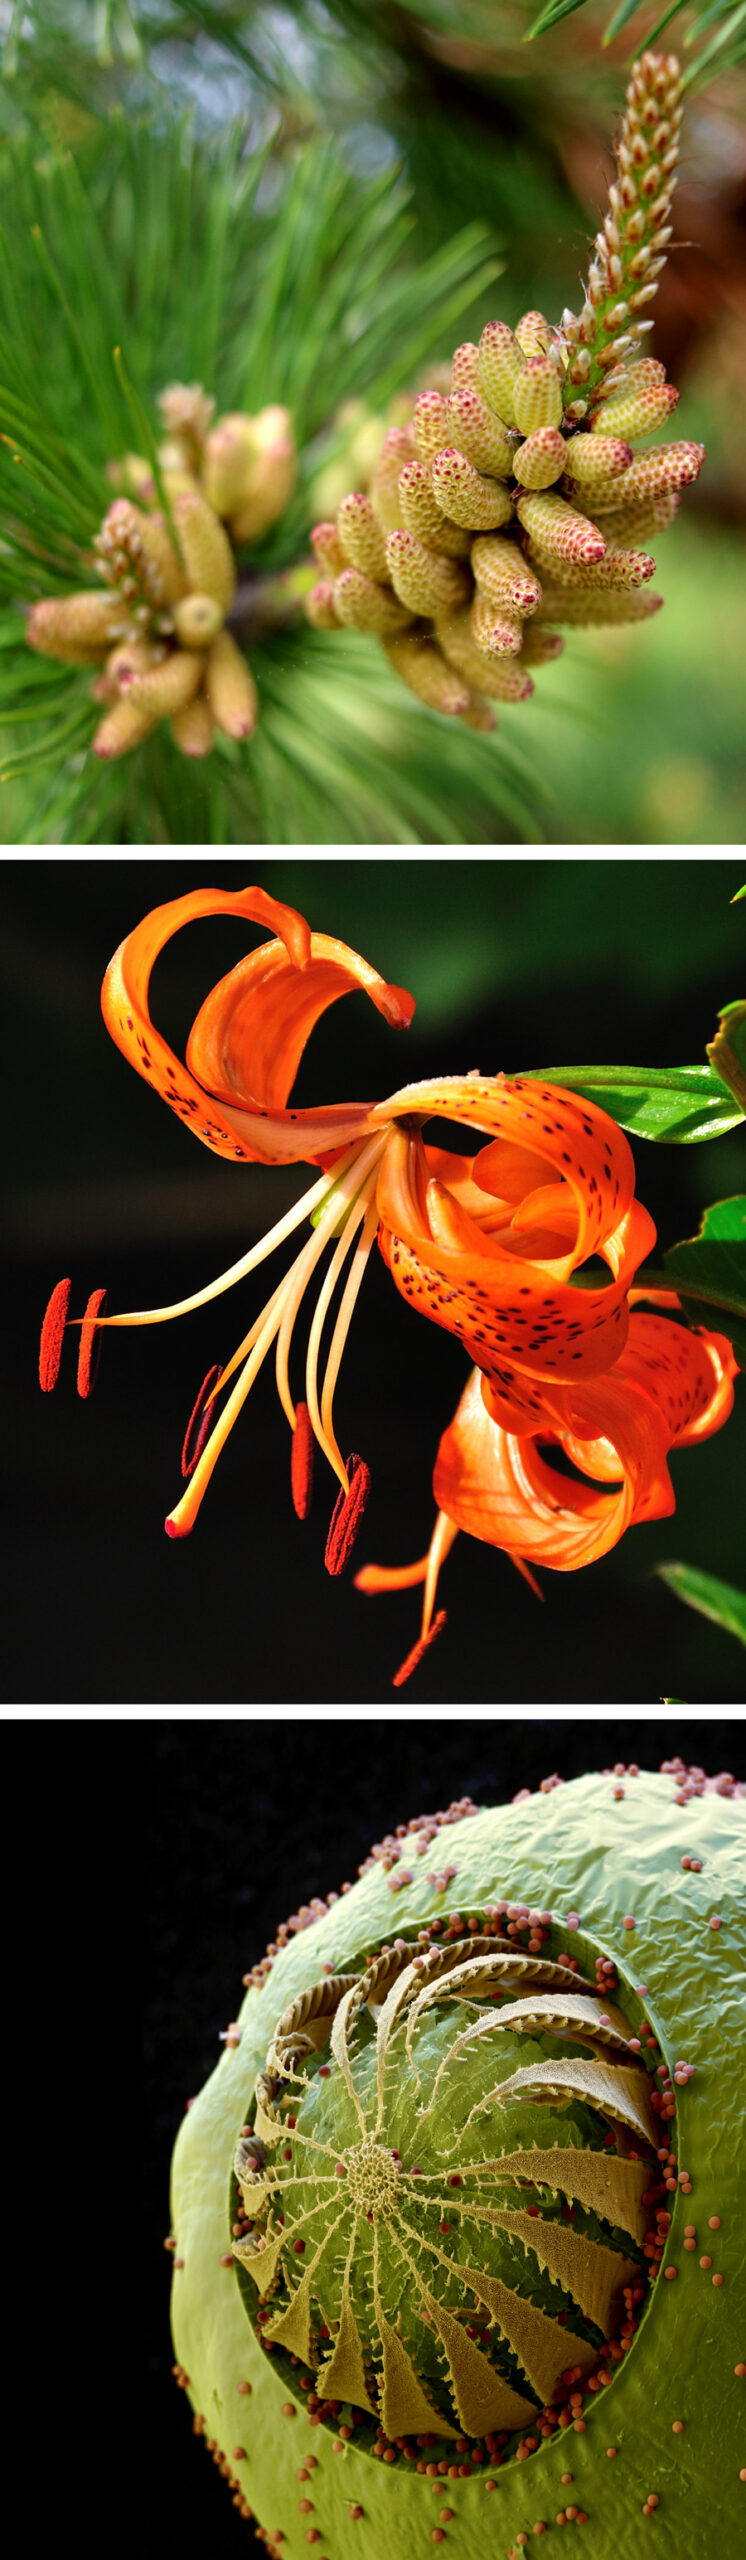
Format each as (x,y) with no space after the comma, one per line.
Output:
(462,2201)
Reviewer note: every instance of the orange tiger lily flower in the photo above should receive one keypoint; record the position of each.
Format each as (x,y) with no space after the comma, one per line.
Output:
(487,1245)
(668,1388)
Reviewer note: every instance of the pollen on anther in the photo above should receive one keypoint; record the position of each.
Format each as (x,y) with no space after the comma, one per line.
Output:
(200,1422)
(52,1335)
(415,1657)
(89,1349)
(301,1462)
(346,1516)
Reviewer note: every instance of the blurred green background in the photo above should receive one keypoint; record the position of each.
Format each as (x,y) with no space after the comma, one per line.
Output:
(515,964)
(635,735)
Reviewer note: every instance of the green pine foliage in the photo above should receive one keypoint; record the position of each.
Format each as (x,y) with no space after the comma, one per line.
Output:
(268,275)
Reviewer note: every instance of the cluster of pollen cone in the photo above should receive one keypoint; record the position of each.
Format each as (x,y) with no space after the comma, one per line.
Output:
(155,627)
(514,501)
(443,2197)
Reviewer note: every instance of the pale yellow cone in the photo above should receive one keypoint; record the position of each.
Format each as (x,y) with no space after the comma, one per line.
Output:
(193,729)
(77,628)
(208,558)
(229,452)
(230,688)
(123,728)
(197,621)
(165,689)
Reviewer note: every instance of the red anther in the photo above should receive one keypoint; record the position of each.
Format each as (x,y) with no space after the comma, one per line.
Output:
(347,1515)
(52,1333)
(89,1349)
(200,1422)
(301,1463)
(415,1657)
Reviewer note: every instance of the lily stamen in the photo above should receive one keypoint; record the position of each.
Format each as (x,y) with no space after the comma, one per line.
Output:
(301,1463)
(347,1515)
(444,1533)
(349,1193)
(200,1421)
(349,1296)
(237,1270)
(376,1578)
(364,1213)
(179,1521)
(343,1198)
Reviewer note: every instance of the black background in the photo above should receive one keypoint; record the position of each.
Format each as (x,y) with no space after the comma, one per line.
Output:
(245,1820)
(515,964)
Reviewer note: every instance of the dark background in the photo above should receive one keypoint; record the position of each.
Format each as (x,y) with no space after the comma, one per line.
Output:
(243,1824)
(515,964)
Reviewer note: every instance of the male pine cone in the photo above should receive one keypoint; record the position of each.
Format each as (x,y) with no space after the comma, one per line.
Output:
(156,628)
(514,501)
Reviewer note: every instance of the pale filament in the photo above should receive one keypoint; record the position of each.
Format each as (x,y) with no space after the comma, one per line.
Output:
(247,1345)
(342,1198)
(402,1577)
(277,1319)
(238,1270)
(441,1542)
(185,1511)
(365,1214)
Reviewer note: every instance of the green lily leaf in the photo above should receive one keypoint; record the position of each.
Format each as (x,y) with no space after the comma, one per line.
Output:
(677,1105)
(714,1599)
(727,1052)
(710,1268)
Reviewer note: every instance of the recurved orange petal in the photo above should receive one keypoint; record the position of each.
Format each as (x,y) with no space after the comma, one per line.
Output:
(495,1265)
(246,1043)
(668,1387)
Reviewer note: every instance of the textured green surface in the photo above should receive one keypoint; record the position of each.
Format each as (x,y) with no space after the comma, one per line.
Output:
(573,1850)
